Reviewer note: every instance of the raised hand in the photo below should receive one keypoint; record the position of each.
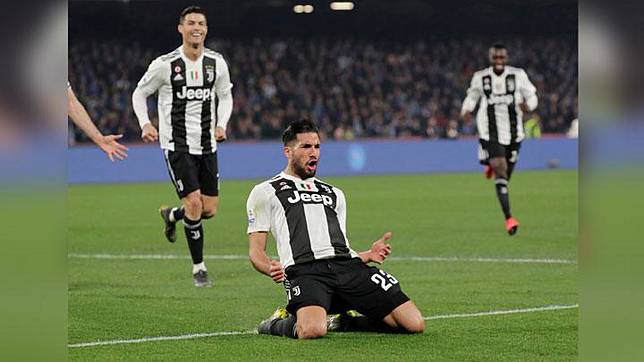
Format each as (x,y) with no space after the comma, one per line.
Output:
(112,148)
(380,249)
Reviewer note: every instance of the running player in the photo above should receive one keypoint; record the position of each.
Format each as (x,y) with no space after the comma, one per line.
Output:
(195,102)
(502,93)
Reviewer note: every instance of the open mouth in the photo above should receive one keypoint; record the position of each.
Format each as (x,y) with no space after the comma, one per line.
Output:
(312,165)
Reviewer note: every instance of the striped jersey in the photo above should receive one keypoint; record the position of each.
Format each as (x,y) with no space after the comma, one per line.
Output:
(306,217)
(499,117)
(187,101)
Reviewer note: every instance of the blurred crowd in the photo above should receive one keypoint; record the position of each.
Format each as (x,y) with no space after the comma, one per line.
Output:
(352,88)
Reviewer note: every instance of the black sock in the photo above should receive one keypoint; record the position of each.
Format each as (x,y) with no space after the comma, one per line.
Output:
(510,169)
(503,195)
(365,324)
(178,213)
(194,235)
(284,327)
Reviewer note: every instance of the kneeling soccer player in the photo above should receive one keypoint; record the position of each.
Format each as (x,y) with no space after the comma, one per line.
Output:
(320,271)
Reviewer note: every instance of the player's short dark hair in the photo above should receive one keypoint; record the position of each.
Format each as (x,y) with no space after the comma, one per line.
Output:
(297,127)
(498,46)
(192,10)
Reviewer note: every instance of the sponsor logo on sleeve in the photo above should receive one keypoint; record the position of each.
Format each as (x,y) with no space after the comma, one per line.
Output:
(251,217)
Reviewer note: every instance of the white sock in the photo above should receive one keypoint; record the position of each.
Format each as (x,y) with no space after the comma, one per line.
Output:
(171,216)
(197,267)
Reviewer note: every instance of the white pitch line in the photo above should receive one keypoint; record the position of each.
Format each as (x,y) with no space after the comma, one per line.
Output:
(484,260)
(392,258)
(501,312)
(161,338)
(231,333)
(152,256)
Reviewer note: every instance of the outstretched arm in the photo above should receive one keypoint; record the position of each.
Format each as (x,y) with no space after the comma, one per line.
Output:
(379,251)
(81,118)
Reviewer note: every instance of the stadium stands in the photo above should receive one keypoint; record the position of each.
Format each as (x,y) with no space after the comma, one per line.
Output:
(354,88)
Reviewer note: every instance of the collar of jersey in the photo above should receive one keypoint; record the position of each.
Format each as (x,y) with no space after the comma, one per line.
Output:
(505,70)
(285,175)
(185,57)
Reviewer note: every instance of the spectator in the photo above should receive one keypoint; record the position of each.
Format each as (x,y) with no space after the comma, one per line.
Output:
(352,88)
(532,126)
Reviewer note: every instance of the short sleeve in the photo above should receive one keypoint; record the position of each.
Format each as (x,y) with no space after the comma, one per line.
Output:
(258,210)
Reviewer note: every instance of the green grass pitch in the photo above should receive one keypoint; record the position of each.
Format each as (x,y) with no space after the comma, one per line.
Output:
(435,215)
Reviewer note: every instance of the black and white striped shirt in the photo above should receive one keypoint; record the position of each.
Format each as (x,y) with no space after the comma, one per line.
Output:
(499,118)
(188,102)
(306,217)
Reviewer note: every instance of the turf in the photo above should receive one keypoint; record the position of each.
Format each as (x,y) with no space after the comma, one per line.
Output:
(451,215)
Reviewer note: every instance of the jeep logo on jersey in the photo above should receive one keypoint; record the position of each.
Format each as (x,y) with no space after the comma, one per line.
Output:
(504,99)
(310,198)
(194,93)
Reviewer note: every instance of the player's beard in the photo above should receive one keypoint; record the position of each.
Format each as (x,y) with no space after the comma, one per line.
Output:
(301,171)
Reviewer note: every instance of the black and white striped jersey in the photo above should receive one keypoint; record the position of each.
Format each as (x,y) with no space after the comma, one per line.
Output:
(499,117)
(306,217)
(189,93)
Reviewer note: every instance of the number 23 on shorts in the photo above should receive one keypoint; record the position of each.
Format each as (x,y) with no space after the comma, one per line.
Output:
(385,280)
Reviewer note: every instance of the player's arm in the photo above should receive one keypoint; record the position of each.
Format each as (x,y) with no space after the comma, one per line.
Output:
(224,93)
(528,92)
(260,260)
(148,85)
(81,118)
(258,226)
(474,93)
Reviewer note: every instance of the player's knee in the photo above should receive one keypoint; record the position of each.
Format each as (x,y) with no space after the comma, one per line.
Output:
(410,319)
(498,163)
(415,325)
(501,170)
(311,330)
(208,212)
(193,203)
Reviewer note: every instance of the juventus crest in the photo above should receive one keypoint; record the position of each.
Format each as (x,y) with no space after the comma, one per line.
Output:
(486,83)
(210,73)
(510,85)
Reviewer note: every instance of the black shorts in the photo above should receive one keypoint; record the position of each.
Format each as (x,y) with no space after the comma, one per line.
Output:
(489,150)
(342,284)
(193,172)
